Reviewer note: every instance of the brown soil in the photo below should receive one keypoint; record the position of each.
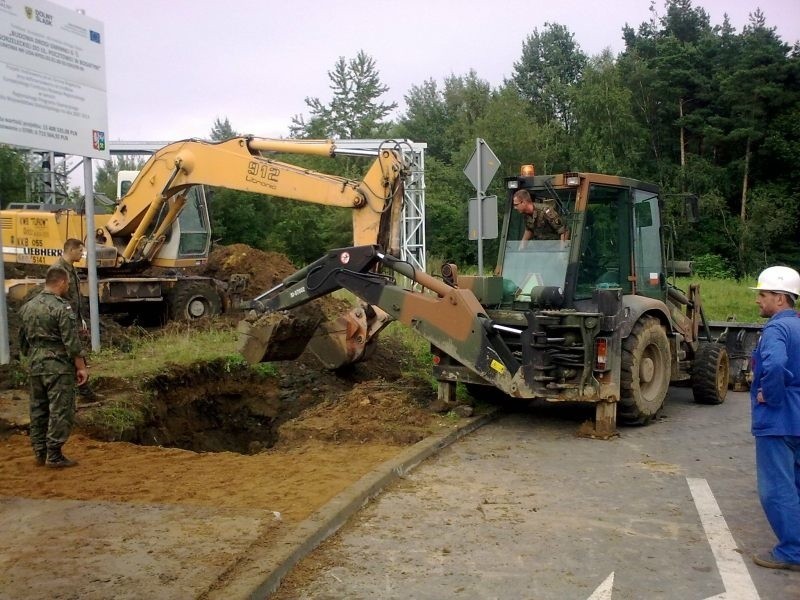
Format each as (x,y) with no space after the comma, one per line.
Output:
(226,437)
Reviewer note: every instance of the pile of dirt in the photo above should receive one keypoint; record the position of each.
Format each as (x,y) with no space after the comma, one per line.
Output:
(264,269)
(374,411)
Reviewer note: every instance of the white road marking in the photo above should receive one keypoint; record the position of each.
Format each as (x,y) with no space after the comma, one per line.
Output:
(732,570)
(603,591)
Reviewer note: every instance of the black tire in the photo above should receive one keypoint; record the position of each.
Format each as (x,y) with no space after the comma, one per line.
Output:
(645,372)
(189,301)
(710,372)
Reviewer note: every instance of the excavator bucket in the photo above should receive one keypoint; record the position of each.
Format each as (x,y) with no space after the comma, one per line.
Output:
(276,336)
(345,340)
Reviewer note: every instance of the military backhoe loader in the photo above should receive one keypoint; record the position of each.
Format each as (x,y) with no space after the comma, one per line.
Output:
(588,319)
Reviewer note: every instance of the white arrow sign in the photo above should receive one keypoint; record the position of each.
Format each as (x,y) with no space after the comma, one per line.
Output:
(732,570)
(603,591)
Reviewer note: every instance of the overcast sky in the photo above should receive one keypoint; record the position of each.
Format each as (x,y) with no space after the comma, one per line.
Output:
(174,66)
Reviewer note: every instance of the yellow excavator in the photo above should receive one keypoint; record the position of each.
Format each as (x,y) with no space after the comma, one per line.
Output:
(163,220)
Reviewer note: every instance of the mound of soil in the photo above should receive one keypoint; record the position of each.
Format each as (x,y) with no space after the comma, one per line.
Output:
(264,269)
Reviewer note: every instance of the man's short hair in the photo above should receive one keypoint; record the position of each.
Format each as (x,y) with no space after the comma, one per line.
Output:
(522,196)
(54,275)
(72,243)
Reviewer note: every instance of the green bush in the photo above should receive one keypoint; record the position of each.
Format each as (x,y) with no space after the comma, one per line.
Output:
(712,266)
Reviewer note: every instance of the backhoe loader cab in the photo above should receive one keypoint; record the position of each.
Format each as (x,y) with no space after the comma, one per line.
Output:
(614,241)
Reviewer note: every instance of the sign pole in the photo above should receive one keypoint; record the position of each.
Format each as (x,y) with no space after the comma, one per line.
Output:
(478,147)
(479,170)
(5,352)
(91,253)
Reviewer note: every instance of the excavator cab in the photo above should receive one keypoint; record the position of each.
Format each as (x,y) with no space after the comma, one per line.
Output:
(189,240)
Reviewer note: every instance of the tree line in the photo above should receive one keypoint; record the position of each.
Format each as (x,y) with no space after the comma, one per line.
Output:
(699,109)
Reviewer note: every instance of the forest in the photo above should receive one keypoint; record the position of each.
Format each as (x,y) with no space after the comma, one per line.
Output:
(698,108)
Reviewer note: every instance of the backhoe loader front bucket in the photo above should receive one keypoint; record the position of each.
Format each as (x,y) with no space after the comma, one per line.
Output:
(276,336)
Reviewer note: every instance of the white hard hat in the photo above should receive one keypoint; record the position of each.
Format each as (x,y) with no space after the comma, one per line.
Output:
(779,279)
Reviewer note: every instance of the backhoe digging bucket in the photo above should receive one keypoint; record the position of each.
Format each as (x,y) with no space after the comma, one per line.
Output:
(346,340)
(276,336)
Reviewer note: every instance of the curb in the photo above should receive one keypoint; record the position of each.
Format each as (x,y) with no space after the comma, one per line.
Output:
(264,568)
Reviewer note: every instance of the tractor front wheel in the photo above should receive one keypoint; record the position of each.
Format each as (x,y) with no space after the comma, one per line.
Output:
(645,372)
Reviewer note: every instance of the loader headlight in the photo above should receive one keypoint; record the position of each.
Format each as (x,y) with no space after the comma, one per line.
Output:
(512,184)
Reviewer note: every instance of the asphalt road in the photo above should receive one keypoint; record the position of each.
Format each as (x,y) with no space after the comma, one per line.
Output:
(522,508)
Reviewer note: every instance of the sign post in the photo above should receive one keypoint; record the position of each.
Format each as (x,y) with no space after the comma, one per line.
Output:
(480,170)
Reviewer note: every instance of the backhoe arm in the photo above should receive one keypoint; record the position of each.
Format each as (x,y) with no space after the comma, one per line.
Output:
(141,221)
(451,319)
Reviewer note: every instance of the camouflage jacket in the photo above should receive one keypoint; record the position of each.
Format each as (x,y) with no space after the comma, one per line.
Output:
(74,286)
(545,223)
(49,334)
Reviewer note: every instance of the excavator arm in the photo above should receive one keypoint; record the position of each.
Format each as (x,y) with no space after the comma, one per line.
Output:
(450,318)
(145,215)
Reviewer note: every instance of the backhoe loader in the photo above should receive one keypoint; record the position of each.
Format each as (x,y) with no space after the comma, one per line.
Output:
(588,319)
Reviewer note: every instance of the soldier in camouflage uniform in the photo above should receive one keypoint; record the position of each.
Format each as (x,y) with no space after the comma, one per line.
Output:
(73,250)
(49,336)
(542,221)
(72,253)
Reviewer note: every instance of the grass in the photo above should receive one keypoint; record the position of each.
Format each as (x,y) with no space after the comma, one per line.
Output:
(724,298)
(418,365)
(119,416)
(151,352)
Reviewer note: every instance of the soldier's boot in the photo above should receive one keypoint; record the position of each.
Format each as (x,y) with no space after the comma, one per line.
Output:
(41,457)
(86,393)
(56,460)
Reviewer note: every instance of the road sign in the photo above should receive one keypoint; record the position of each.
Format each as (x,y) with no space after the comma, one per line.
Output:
(489,221)
(481,170)
(52,65)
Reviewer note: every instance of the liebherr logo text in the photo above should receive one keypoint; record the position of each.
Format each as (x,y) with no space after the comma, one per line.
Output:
(263,174)
(41,251)
(297,292)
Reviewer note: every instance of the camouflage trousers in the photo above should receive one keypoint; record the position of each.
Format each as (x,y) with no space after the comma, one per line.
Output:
(52,409)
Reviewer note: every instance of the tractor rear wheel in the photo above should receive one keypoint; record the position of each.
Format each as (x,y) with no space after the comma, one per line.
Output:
(645,372)
(710,370)
(189,301)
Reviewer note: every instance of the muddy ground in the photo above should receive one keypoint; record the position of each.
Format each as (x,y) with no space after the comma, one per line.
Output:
(215,436)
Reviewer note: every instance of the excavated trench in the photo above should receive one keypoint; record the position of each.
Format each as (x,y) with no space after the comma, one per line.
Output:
(215,416)
(214,407)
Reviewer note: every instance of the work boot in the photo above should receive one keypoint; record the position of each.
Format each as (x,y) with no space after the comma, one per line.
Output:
(86,394)
(59,461)
(770,561)
(41,458)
